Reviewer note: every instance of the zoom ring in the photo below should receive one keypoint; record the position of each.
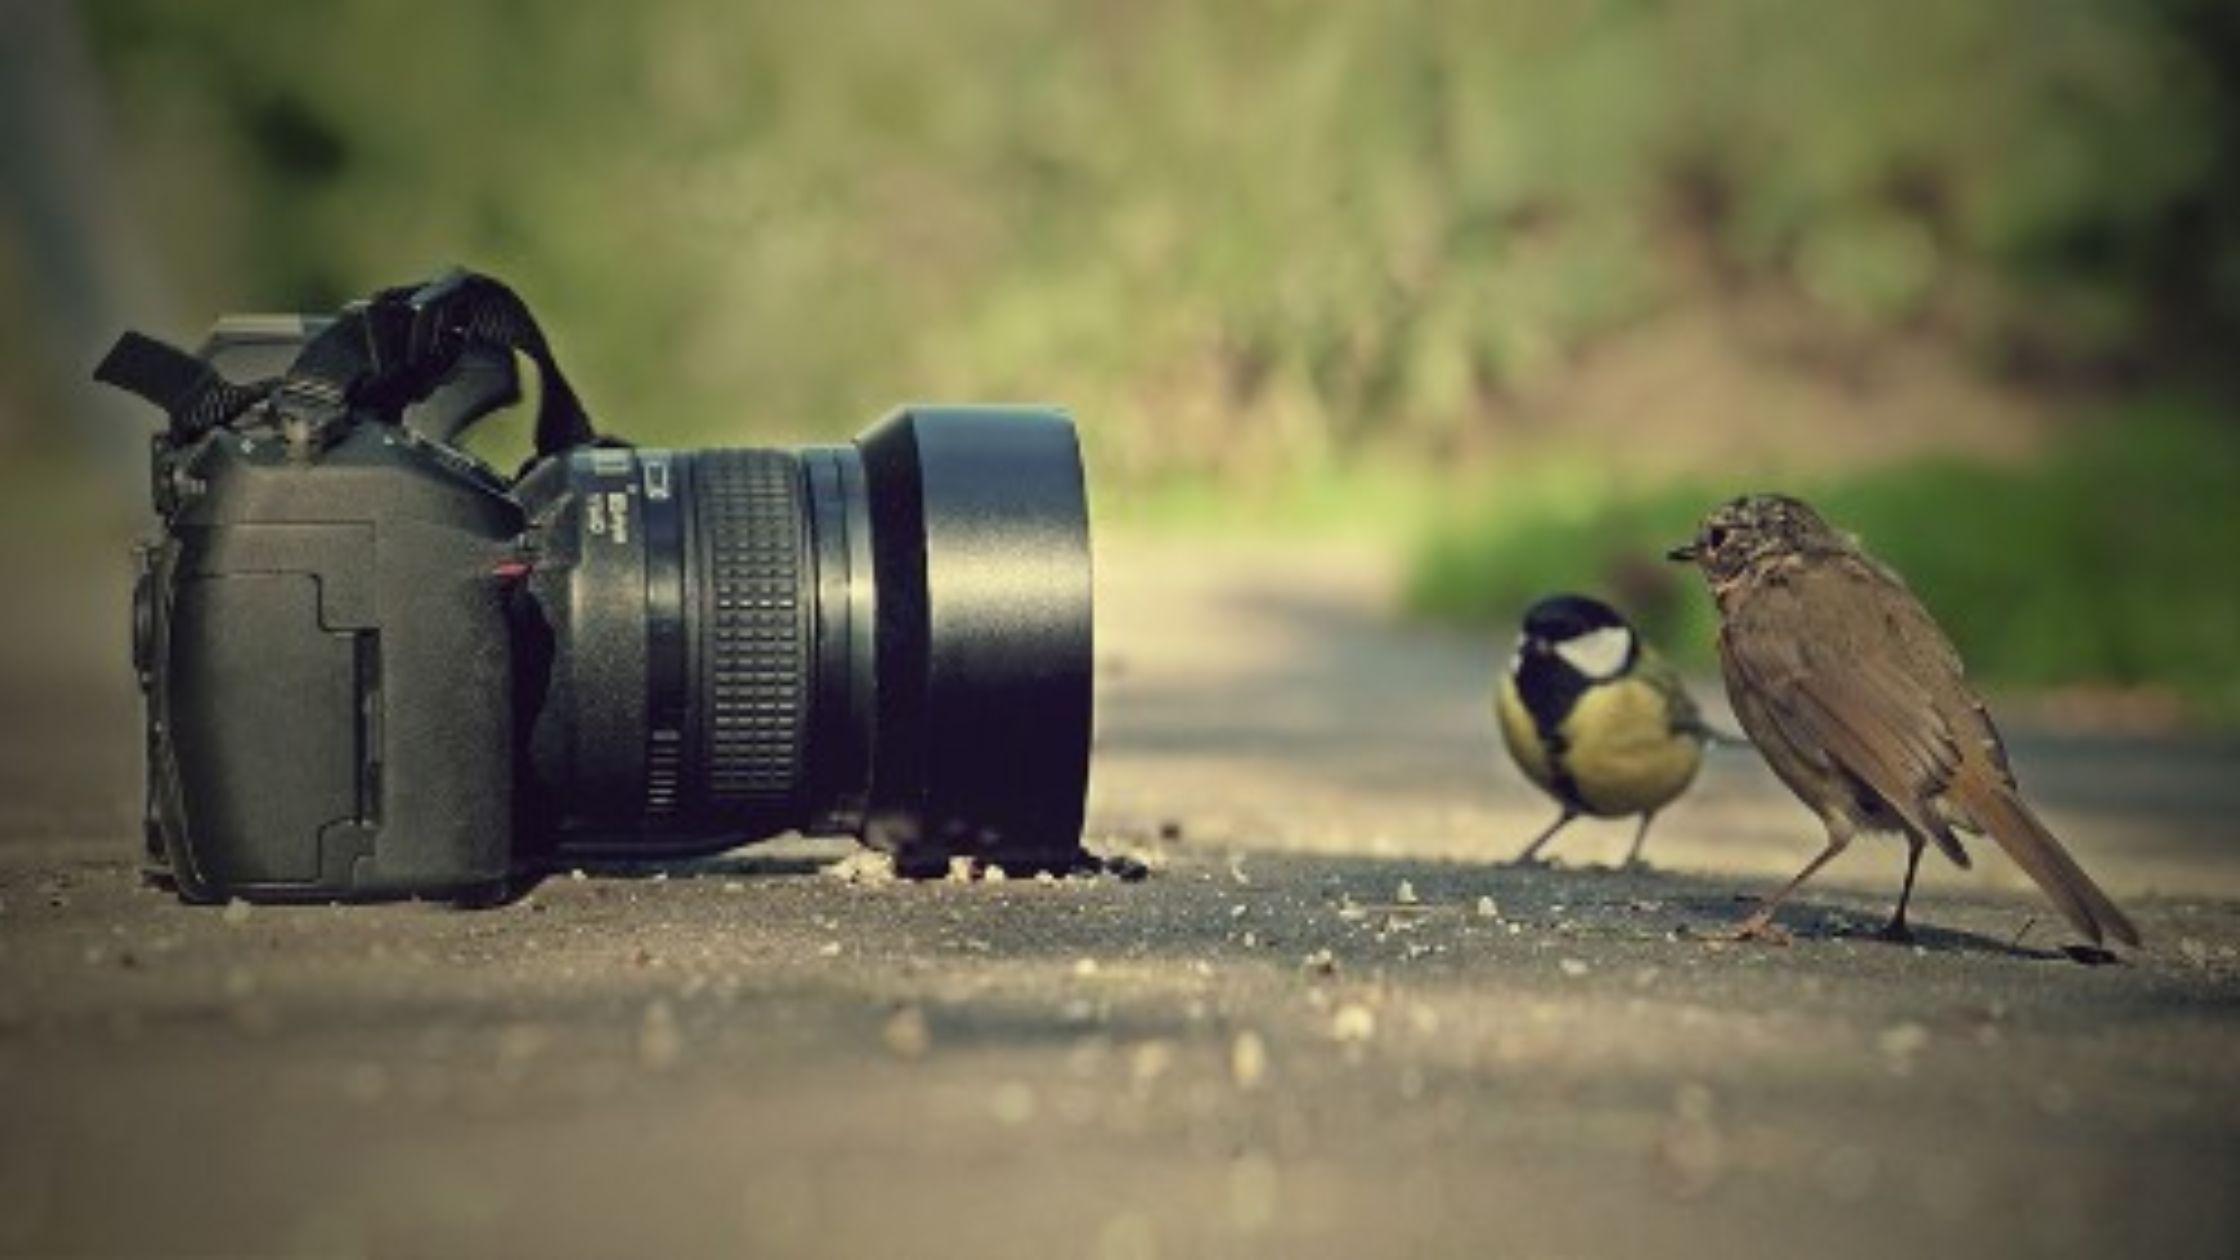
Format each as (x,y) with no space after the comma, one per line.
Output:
(747,506)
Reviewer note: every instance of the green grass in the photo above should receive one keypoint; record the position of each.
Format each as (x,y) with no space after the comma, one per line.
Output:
(2111,560)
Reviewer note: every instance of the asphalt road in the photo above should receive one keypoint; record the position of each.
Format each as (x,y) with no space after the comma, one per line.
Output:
(1329,1022)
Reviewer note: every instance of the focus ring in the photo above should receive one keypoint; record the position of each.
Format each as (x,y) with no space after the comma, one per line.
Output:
(754,664)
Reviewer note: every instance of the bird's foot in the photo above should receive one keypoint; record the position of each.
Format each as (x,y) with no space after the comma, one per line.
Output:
(1761,928)
(1635,866)
(1895,932)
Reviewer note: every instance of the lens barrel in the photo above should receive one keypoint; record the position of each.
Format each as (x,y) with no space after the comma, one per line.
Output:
(890,639)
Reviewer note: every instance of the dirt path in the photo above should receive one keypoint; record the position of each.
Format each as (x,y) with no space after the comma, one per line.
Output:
(1270,1047)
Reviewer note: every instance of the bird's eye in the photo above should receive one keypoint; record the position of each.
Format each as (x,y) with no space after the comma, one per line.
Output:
(1716,536)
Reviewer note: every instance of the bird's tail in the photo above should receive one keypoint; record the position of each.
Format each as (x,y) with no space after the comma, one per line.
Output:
(2002,814)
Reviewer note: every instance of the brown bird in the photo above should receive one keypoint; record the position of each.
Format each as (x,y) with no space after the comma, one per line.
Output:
(1857,700)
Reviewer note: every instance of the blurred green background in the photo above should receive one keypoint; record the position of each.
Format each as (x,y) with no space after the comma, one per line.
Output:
(1516,288)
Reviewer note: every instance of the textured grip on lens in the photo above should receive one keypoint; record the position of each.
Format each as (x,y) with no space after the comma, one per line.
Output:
(755,680)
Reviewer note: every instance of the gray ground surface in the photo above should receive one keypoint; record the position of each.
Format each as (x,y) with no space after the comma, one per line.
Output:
(1267,1047)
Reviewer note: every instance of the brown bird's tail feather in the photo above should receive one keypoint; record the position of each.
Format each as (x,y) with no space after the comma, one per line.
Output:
(2003,815)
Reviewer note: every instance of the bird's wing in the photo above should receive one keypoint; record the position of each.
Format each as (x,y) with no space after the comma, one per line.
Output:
(1816,644)
(1653,669)
(1684,716)
(1928,655)
(1981,795)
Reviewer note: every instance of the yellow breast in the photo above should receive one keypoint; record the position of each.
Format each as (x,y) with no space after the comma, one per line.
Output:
(1621,749)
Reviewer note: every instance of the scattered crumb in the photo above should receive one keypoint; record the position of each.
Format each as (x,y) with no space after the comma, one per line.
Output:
(865,867)
(1487,909)
(1084,967)
(1405,894)
(1573,967)
(1321,963)
(830,949)
(237,912)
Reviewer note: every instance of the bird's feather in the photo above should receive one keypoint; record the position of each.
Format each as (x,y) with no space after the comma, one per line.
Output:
(1848,671)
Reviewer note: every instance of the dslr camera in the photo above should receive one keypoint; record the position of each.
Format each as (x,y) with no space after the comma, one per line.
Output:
(376,667)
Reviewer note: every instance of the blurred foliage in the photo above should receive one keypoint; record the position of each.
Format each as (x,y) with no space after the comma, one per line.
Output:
(2110,561)
(1234,237)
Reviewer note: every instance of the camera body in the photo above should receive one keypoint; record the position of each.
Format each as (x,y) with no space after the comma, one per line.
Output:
(374,667)
(325,646)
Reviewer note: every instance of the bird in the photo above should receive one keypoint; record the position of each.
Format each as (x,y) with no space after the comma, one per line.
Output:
(1596,718)
(1858,702)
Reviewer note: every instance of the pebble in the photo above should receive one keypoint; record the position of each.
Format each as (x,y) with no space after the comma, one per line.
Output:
(237,912)
(1248,1060)
(1487,909)
(1405,894)
(1354,1023)
(1149,1061)
(1573,967)
(1084,968)
(907,1034)
(864,866)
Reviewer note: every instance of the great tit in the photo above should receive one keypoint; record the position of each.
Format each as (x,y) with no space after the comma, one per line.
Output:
(1596,718)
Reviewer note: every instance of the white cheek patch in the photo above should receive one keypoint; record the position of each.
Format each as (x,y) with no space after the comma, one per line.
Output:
(1516,656)
(1598,653)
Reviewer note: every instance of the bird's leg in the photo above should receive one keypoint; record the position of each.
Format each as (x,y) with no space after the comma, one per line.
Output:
(1896,930)
(1531,852)
(1641,833)
(1760,925)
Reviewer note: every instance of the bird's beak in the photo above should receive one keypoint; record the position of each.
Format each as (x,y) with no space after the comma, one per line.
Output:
(1684,553)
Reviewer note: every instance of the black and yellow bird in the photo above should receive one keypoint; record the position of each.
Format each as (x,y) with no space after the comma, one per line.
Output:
(1858,702)
(1596,718)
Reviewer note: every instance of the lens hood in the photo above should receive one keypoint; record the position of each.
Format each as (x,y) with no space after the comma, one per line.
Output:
(980,542)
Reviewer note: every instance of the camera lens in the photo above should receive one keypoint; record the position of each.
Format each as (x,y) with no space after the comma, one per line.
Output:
(889,639)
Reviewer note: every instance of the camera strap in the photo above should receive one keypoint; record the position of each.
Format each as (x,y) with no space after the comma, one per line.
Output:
(187,389)
(378,356)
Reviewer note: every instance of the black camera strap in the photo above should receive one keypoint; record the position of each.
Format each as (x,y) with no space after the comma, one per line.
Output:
(379,356)
(187,389)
